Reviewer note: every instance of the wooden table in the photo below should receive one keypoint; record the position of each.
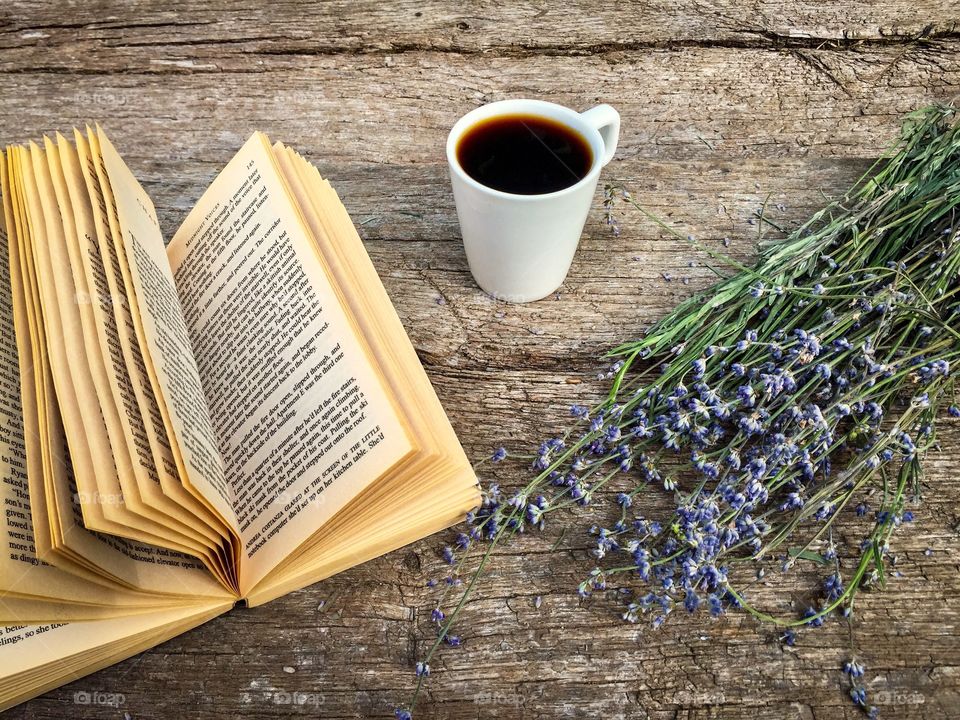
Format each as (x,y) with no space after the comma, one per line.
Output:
(724,103)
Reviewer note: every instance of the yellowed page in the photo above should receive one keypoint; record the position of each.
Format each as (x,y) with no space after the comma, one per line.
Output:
(303,422)
(130,562)
(134,394)
(97,317)
(137,470)
(59,273)
(36,658)
(77,218)
(34,372)
(167,350)
(420,497)
(122,508)
(33,381)
(32,609)
(72,369)
(22,571)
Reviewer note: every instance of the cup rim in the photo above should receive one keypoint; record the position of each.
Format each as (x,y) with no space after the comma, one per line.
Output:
(572,119)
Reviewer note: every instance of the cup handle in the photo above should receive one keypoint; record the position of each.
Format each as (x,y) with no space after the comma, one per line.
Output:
(607,122)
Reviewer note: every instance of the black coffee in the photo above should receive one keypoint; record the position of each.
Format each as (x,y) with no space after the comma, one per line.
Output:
(524,154)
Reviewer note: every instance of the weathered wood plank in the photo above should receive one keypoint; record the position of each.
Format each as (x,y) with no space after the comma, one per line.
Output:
(690,103)
(178,36)
(723,103)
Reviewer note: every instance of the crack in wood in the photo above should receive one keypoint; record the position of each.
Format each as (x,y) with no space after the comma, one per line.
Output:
(762,40)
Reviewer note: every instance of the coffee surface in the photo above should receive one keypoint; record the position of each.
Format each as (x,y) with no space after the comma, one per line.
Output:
(524,154)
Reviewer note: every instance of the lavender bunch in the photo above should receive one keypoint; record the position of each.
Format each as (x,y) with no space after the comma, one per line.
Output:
(795,394)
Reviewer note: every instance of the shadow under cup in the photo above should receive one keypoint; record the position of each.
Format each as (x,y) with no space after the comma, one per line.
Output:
(519,246)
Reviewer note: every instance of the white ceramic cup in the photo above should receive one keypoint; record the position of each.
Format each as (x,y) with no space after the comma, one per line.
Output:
(519,247)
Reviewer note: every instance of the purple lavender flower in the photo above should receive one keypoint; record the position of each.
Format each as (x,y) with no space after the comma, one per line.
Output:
(853,668)
(793,502)
(699,367)
(580,411)
(833,586)
(715,604)
(746,396)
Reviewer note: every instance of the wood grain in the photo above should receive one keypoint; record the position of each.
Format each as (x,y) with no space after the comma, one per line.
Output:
(179,36)
(725,104)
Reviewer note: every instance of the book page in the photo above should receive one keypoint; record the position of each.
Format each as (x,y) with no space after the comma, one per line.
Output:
(25,647)
(168,355)
(21,569)
(91,454)
(51,490)
(55,393)
(79,225)
(421,496)
(74,372)
(154,468)
(36,658)
(303,422)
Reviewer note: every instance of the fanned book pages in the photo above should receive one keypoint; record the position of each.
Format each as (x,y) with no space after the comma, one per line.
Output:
(227,418)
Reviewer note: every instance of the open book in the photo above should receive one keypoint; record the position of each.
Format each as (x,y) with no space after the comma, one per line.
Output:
(228,418)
